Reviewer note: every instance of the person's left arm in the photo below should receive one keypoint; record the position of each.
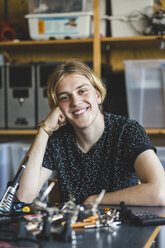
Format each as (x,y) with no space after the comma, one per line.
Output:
(150,191)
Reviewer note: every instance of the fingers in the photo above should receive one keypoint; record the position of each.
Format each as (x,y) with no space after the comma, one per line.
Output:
(62,123)
(62,119)
(55,119)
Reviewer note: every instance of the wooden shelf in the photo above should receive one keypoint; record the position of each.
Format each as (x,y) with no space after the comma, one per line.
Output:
(155,131)
(18,43)
(44,51)
(34,131)
(42,42)
(18,132)
(142,42)
(113,50)
(131,38)
(131,48)
(70,41)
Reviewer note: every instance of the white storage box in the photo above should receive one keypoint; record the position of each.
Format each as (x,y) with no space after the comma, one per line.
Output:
(63,25)
(145,92)
(126,19)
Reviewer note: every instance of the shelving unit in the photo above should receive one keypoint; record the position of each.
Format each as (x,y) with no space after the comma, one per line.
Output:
(34,131)
(41,51)
(77,48)
(18,132)
(73,49)
(108,50)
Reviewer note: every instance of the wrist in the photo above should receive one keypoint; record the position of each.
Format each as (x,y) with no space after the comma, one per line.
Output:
(44,126)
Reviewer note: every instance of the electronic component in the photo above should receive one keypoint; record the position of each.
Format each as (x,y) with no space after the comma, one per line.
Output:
(140,218)
(8,198)
(21,97)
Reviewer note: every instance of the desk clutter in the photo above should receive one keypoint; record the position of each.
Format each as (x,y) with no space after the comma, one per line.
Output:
(32,224)
(28,224)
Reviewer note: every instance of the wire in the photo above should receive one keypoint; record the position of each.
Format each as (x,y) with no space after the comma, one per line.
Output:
(136,16)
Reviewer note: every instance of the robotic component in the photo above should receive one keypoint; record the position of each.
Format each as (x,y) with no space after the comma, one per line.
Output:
(156,23)
(8,198)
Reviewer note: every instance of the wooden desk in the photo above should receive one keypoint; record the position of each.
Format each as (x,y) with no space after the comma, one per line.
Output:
(125,236)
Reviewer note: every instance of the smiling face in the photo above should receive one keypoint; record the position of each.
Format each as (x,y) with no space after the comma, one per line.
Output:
(78,100)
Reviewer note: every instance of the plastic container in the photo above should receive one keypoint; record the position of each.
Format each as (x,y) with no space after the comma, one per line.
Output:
(145,92)
(63,6)
(56,6)
(63,25)
(127,19)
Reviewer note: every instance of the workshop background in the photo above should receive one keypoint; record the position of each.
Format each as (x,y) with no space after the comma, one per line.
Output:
(122,40)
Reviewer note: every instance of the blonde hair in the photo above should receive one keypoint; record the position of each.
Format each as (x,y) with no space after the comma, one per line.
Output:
(69,68)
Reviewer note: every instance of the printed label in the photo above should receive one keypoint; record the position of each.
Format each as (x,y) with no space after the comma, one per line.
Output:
(58,25)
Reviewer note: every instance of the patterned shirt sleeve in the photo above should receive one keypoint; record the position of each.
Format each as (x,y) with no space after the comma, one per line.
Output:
(134,140)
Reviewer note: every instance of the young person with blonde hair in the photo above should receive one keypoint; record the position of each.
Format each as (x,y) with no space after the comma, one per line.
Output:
(90,149)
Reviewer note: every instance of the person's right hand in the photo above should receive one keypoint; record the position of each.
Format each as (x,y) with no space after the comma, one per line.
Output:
(55,119)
